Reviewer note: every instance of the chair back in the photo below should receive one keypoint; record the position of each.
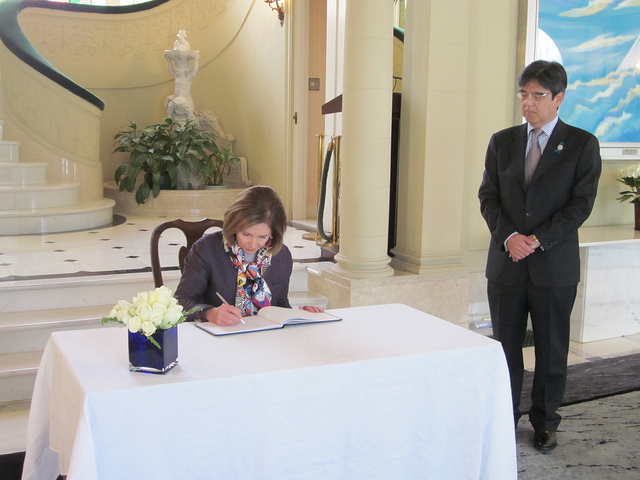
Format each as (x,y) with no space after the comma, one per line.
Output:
(192,231)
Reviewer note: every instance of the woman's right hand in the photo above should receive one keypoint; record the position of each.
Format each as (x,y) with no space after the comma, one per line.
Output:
(223,315)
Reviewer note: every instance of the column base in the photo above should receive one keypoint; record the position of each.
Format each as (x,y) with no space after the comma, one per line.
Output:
(444,294)
(427,263)
(350,269)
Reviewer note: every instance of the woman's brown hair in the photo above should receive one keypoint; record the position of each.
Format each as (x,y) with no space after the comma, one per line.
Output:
(257,204)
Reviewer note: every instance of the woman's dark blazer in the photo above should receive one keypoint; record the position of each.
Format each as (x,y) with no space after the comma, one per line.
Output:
(207,270)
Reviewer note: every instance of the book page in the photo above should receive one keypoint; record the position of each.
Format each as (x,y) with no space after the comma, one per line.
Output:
(269,318)
(251,324)
(290,316)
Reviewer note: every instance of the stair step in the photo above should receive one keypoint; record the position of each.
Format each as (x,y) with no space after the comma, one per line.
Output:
(302,297)
(14,417)
(29,331)
(81,216)
(38,196)
(19,364)
(62,318)
(18,375)
(30,323)
(298,280)
(76,292)
(81,292)
(22,173)
(9,151)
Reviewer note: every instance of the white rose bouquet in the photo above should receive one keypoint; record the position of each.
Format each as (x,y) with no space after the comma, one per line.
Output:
(630,176)
(149,311)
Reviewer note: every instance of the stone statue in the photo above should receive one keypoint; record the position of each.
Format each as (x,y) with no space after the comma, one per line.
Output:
(210,122)
(183,65)
(181,42)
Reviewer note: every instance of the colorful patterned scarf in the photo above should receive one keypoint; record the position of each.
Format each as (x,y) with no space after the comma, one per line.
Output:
(252,292)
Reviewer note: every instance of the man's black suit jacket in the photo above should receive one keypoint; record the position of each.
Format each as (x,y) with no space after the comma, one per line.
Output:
(557,201)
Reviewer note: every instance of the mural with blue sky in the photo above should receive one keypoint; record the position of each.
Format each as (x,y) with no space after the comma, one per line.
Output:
(598,42)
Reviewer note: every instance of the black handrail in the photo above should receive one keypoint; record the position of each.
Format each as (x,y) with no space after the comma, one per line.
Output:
(323,193)
(398,33)
(15,40)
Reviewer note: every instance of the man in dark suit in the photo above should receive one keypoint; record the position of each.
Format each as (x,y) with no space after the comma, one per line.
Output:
(533,207)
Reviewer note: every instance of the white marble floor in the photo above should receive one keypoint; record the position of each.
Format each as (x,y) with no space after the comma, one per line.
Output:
(121,248)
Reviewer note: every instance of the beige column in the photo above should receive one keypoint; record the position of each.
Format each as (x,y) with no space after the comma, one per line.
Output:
(366,140)
(433,136)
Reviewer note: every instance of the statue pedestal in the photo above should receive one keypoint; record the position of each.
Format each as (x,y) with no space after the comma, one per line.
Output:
(173,204)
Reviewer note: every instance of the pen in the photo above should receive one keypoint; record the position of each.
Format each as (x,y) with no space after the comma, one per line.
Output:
(224,301)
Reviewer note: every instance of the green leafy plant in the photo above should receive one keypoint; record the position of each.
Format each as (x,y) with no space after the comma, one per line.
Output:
(160,151)
(630,176)
(214,170)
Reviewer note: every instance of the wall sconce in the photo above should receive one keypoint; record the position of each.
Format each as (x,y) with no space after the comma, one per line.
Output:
(278,8)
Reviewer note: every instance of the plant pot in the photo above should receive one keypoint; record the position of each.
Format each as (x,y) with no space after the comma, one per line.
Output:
(636,209)
(146,357)
(215,187)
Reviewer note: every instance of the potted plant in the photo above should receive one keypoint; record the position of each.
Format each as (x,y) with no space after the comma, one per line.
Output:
(162,151)
(215,168)
(630,176)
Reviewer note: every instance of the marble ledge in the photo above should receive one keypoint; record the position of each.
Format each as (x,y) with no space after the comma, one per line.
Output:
(442,294)
(608,235)
(400,277)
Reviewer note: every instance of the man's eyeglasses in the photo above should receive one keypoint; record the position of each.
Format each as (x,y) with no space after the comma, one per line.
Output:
(536,96)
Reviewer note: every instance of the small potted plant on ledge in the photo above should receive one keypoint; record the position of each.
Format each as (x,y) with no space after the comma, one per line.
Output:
(630,176)
(162,152)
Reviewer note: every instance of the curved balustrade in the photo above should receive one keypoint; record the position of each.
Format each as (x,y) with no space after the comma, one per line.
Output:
(15,40)
(106,50)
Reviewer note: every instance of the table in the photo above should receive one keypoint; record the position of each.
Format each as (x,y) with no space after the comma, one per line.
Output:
(388,393)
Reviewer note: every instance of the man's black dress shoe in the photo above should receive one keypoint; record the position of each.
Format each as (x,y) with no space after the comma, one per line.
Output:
(545,440)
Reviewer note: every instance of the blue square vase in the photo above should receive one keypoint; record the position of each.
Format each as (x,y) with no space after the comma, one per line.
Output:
(145,357)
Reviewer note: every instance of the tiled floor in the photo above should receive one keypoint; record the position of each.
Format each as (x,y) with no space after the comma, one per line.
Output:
(121,248)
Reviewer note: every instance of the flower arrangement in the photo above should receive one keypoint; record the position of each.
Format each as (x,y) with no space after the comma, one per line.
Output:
(149,312)
(630,176)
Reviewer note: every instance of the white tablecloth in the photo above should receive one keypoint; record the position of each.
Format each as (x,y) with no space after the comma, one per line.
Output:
(387,393)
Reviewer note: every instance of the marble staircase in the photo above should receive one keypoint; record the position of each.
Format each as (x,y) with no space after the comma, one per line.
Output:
(31,205)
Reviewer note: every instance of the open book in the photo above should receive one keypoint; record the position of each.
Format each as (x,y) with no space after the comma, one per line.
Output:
(269,318)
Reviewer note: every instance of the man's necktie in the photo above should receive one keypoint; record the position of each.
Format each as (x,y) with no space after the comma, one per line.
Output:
(533,157)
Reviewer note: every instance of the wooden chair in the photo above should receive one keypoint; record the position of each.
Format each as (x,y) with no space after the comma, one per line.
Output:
(192,231)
